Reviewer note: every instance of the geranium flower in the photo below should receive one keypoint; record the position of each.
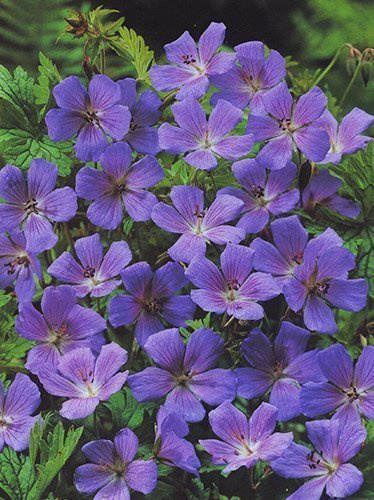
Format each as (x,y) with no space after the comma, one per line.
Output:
(204,140)
(91,114)
(95,274)
(32,206)
(193,66)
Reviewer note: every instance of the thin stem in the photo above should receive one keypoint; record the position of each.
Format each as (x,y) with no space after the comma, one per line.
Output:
(330,65)
(353,79)
(69,237)
(98,305)
(132,350)
(168,100)
(213,180)
(102,60)
(96,424)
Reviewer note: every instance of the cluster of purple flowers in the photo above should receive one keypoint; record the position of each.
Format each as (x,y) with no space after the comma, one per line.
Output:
(71,357)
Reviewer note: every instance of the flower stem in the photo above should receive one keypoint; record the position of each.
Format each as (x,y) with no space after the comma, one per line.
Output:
(330,65)
(69,237)
(353,79)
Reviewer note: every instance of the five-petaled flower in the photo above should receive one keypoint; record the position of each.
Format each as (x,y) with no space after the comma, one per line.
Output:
(18,264)
(184,373)
(264,195)
(193,66)
(95,274)
(345,138)
(91,114)
(249,82)
(281,368)
(234,290)
(204,140)
(62,327)
(349,391)
(32,206)
(197,226)
(113,470)
(84,379)
(322,189)
(245,442)
(152,298)
(119,185)
(285,126)
(16,408)
(334,444)
(145,112)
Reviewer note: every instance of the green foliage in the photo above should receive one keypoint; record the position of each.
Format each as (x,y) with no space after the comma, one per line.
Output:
(13,348)
(126,411)
(16,474)
(22,128)
(32,26)
(49,76)
(133,48)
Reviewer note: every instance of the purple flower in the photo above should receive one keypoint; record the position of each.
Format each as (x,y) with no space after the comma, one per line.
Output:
(197,226)
(285,126)
(33,205)
(113,470)
(322,189)
(263,194)
(282,368)
(119,185)
(245,442)
(145,112)
(95,274)
(16,406)
(349,390)
(233,290)
(184,373)
(320,282)
(152,299)
(282,257)
(249,82)
(19,265)
(346,138)
(170,447)
(91,115)
(62,326)
(84,379)
(193,66)
(204,140)
(334,444)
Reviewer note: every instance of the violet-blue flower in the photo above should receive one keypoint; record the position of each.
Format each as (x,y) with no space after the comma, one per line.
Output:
(113,470)
(62,326)
(322,190)
(18,265)
(184,373)
(84,379)
(281,368)
(17,405)
(145,112)
(196,225)
(91,114)
(120,185)
(285,126)
(345,138)
(245,442)
(204,140)
(321,282)
(349,391)
(152,298)
(264,195)
(170,447)
(286,253)
(333,445)
(192,66)
(95,274)
(32,206)
(249,82)
(234,290)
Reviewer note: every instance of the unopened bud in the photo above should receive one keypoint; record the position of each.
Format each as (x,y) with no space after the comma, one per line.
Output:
(353,59)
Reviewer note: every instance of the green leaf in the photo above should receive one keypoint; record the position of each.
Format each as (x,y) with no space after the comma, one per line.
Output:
(4,298)
(132,47)
(54,452)
(126,411)
(16,474)
(13,350)
(49,76)
(19,147)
